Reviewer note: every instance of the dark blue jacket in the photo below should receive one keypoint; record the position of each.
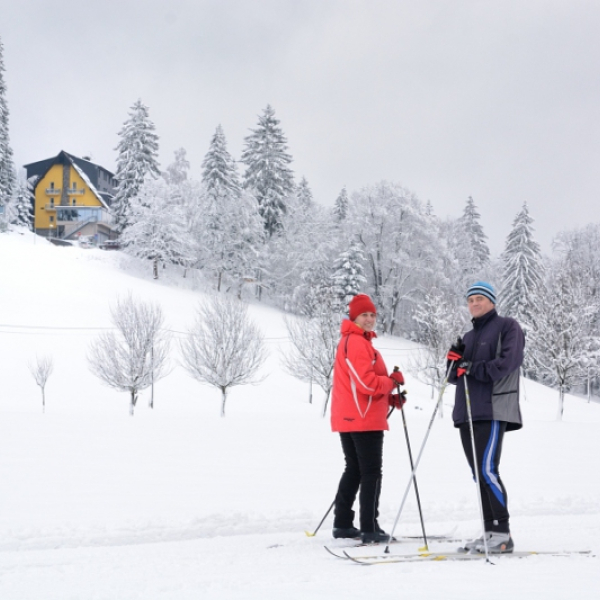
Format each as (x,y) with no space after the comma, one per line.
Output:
(495,348)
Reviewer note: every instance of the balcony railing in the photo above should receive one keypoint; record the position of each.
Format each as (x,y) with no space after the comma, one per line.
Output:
(50,207)
(72,214)
(53,191)
(75,192)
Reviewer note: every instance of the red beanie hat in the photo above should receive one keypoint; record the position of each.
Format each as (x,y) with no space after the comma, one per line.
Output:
(361,303)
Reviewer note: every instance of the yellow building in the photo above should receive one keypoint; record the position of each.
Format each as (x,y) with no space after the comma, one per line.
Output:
(72,198)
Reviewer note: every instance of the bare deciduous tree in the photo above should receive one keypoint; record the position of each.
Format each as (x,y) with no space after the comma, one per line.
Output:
(314,344)
(41,371)
(224,348)
(137,355)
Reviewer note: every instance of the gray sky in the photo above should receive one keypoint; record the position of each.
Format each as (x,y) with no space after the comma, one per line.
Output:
(498,100)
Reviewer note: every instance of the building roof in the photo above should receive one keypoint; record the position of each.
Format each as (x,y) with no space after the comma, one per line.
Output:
(100,180)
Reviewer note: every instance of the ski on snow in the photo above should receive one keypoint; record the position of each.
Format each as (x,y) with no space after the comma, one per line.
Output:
(397,540)
(382,559)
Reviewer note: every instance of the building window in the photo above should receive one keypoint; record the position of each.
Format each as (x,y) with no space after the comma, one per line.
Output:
(52,185)
(51,219)
(74,202)
(51,201)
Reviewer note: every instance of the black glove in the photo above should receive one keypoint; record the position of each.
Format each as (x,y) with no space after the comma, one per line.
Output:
(464,366)
(456,351)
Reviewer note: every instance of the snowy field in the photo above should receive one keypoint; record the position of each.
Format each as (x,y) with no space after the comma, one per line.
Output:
(179,503)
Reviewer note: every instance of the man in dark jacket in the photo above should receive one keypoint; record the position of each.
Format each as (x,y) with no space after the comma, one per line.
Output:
(489,356)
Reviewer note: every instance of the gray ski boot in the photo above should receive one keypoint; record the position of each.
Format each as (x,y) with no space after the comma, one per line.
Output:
(497,543)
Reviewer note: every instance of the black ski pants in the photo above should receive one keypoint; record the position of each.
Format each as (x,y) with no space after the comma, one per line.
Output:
(488,448)
(363,453)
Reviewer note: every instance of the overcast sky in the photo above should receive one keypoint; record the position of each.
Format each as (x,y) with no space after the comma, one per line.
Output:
(498,100)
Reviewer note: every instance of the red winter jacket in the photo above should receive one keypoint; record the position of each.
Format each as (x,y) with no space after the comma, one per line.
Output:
(361,385)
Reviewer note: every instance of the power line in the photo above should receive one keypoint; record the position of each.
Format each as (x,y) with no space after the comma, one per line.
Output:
(55,330)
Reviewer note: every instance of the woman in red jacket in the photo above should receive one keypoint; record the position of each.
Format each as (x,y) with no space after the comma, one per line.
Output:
(360,400)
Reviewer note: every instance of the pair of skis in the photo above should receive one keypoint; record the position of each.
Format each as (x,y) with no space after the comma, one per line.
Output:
(382,559)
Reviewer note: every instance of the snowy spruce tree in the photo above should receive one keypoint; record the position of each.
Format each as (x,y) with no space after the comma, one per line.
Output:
(348,274)
(7,169)
(232,229)
(268,174)
(23,204)
(523,272)
(304,196)
(137,161)
(340,206)
(471,247)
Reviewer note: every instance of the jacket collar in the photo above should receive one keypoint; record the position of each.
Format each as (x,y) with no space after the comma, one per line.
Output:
(349,327)
(479,322)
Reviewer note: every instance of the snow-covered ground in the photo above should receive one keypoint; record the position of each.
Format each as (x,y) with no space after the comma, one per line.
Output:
(179,503)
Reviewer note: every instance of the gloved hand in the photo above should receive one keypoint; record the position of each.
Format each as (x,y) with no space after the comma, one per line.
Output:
(456,351)
(397,400)
(397,376)
(464,366)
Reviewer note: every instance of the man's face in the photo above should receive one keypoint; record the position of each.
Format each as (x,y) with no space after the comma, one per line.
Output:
(479,305)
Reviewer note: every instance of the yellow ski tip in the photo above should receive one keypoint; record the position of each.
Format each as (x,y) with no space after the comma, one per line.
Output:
(309,534)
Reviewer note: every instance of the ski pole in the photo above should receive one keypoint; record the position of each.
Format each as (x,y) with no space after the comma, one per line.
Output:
(476,468)
(412,465)
(308,533)
(414,470)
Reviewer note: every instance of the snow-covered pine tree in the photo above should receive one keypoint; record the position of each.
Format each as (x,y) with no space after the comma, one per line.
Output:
(268,174)
(7,169)
(523,272)
(471,246)
(304,196)
(177,171)
(348,274)
(232,228)
(340,206)
(137,160)
(23,203)
(219,173)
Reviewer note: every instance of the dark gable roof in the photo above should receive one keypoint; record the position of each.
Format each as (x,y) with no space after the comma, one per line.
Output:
(102,188)
(92,170)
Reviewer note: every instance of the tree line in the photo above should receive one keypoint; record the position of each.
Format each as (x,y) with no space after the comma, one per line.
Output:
(260,234)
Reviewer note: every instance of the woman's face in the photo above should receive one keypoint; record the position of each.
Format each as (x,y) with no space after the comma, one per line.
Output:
(366,321)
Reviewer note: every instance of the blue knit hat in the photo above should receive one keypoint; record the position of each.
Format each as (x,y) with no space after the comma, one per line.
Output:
(484,289)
